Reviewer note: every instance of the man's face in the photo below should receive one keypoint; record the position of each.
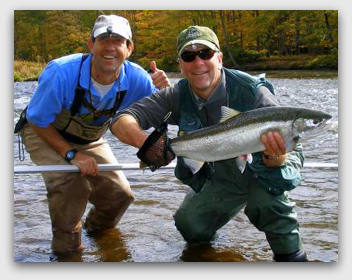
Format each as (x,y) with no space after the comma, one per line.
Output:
(202,74)
(109,52)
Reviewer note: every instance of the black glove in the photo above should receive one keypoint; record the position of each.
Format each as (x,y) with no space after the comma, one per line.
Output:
(156,150)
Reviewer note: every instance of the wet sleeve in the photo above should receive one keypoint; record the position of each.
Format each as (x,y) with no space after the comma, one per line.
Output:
(276,180)
(150,111)
(264,98)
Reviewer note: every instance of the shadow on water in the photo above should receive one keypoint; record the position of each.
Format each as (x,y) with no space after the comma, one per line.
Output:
(106,246)
(207,253)
(110,246)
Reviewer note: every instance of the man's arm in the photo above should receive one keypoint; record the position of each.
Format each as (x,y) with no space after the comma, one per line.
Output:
(52,137)
(129,125)
(128,131)
(153,149)
(150,111)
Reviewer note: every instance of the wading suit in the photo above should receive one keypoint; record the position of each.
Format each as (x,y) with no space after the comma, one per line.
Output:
(66,100)
(219,188)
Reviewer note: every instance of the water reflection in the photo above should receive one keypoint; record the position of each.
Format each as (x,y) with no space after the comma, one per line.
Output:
(108,246)
(206,253)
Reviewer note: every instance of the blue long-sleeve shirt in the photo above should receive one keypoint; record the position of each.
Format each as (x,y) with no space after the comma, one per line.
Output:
(57,83)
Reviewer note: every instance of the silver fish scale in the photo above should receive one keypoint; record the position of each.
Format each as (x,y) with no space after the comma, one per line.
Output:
(231,143)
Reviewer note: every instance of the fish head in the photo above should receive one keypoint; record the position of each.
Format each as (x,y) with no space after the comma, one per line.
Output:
(310,122)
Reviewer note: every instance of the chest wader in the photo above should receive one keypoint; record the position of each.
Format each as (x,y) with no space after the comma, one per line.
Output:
(76,129)
(69,193)
(222,191)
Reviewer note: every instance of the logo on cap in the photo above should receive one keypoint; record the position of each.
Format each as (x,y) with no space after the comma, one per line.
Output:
(111,24)
(192,33)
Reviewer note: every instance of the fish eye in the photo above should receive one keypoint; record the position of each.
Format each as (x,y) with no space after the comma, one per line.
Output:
(311,123)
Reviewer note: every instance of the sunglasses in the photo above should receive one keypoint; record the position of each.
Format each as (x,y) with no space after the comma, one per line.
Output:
(205,54)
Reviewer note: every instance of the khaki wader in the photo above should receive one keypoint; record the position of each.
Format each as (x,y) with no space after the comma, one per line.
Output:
(69,193)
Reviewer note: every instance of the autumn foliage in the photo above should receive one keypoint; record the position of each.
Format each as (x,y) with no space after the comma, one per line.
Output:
(246,36)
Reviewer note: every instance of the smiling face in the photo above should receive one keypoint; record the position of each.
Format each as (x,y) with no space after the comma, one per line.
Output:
(203,75)
(109,52)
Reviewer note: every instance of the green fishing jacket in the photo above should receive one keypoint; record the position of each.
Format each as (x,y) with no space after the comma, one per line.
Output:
(241,89)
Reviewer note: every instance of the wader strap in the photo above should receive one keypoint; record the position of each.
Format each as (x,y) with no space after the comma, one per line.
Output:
(21,155)
(109,112)
(119,98)
(75,139)
(18,127)
(79,91)
(80,100)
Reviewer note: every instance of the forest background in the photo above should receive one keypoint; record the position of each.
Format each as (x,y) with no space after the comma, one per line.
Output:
(249,39)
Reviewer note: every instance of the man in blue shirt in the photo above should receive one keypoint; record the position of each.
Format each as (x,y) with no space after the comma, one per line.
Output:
(70,111)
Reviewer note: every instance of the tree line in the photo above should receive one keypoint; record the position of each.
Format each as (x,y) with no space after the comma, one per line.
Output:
(245,35)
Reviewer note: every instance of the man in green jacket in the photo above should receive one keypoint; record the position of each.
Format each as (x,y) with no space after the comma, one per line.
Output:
(219,189)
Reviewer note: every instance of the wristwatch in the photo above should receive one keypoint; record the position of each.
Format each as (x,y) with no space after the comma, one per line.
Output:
(270,157)
(70,155)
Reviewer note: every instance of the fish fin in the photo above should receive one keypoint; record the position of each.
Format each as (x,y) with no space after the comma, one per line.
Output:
(194,165)
(227,113)
(241,161)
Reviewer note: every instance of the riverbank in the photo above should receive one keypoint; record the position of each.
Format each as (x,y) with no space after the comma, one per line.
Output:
(27,70)
(30,71)
(296,62)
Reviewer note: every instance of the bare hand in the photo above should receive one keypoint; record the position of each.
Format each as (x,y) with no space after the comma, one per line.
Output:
(274,148)
(86,164)
(160,80)
(274,143)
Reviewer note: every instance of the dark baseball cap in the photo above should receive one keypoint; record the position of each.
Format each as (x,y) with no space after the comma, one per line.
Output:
(197,35)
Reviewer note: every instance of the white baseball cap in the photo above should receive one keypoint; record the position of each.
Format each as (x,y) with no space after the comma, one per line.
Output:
(111,24)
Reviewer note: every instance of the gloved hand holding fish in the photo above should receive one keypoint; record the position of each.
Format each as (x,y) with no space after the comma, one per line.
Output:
(156,151)
(237,134)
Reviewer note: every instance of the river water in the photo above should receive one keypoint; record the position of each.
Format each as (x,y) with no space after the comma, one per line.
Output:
(147,233)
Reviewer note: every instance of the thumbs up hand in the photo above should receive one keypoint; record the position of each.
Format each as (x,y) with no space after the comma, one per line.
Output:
(160,80)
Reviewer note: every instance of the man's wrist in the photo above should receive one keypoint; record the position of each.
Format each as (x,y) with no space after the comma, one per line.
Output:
(274,160)
(270,157)
(70,155)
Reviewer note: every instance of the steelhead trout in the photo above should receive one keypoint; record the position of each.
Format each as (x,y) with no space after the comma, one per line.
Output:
(239,133)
